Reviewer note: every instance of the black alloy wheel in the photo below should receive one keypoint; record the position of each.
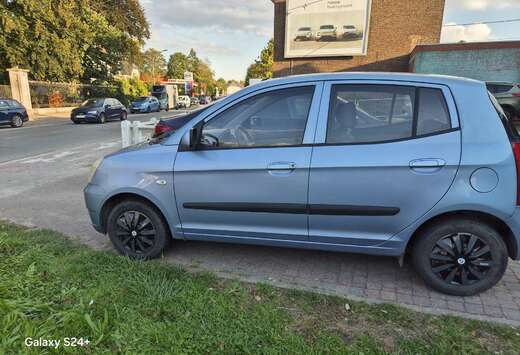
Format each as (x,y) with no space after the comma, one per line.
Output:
(137,229)
(461,259)
(136,232)
(460,256)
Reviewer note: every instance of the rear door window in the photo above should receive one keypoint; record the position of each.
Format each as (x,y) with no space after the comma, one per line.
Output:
(433,114)
(382,113)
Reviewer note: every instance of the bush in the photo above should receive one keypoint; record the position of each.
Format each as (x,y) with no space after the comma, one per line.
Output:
(130,89)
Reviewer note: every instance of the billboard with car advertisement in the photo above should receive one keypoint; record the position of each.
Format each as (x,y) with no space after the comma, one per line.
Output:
(326,28)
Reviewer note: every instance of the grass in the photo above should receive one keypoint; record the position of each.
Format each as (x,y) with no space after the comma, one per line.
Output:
(52,288)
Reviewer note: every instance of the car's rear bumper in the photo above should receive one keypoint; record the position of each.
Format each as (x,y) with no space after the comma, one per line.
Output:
(94,197)
(514,224)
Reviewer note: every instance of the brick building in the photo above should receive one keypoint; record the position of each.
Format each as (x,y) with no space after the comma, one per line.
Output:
(486,61)
(396,27)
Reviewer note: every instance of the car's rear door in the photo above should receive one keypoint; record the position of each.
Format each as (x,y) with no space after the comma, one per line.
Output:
(385,154)
(249,178)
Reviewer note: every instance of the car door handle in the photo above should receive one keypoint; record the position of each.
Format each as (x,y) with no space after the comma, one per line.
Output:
(281,166)
(427,163)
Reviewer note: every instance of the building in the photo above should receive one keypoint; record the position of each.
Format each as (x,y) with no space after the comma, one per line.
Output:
(378,35)
(233,86)
(487,61)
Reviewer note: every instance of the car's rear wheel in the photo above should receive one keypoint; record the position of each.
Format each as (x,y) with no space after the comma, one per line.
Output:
(124,116)
(102,118)
(137,230)
(461,257)
(17,121)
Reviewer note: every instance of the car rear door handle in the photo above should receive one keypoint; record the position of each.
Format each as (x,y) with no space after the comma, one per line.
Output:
(281,166)
(431,163)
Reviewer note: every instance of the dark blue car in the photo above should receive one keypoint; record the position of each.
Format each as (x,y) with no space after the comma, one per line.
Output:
(12,113)
(99,111)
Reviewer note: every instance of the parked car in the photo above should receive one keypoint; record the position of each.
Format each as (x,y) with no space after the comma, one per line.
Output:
(168,125)
(204,100)
(350,32)
(99,110)
(194,101)
(303,34)
(12,113)
(183,101)
(327,32)
(508,96)
(145,104)
(410,166)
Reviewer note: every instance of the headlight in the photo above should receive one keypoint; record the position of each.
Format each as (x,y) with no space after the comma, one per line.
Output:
(94,168)
(92,112)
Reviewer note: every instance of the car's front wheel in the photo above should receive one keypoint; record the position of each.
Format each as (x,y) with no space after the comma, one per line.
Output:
(16,121)
(123,116)
(137,230)
(460,256)
(102,118)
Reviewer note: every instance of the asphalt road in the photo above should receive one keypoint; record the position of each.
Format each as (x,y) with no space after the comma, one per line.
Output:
(60,134)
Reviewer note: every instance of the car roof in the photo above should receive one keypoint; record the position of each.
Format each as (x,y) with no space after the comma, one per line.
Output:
(376,76)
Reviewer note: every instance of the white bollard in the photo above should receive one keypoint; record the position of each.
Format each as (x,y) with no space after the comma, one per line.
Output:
(137,132)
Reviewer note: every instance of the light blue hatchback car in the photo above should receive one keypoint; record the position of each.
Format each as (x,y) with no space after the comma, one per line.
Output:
(375,163)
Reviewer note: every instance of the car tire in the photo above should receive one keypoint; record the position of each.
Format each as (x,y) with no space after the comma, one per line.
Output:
(76,121)
(137,230)
(16,121)
(460,256)
(102,118)
(149,109)
(124,116)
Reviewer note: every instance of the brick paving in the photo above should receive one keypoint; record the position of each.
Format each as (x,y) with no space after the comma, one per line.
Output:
(358,277)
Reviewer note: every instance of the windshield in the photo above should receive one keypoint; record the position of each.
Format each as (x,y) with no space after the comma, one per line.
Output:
(93,103)
(349,27)
(327,27)
(304,29)
(141,99)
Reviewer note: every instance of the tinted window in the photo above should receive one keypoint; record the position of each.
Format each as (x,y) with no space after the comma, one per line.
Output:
(4,104)
(14,103)
(276,118)
(433,112)
(370,113)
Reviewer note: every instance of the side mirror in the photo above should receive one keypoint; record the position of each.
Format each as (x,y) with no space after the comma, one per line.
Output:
(191,140)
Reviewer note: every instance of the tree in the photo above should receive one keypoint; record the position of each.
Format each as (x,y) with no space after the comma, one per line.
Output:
(69,40)
(177,65)
(222,86)
(262,68)
(153,65)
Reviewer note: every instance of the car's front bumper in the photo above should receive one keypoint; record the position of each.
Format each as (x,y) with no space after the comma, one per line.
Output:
(84,117)
(94,198)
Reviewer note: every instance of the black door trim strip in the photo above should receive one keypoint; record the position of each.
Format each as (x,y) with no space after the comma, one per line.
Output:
(292,208)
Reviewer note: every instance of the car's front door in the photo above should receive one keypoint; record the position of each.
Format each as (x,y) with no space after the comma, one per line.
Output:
(385,155)
(249,176)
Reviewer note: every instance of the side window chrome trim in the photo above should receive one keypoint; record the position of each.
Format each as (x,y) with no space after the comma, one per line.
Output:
(321,130)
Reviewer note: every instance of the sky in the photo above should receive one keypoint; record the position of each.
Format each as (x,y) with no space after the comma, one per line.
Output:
(231,33)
